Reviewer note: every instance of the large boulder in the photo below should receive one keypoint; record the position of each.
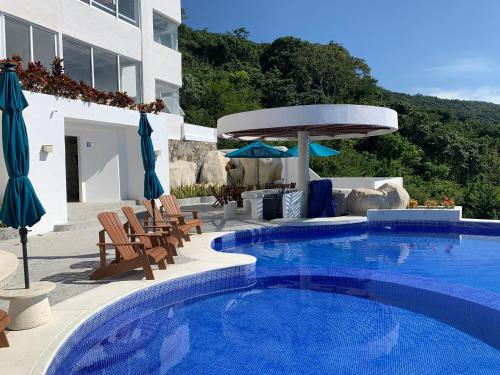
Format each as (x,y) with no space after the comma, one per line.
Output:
(340,198)
(182,173)
(387,196)
(396,196)
(269,170)
(213,169)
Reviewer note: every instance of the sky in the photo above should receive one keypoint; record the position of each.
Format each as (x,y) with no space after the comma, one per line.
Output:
(444,48)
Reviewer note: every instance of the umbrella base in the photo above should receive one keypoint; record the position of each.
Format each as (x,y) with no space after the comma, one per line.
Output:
(28,308)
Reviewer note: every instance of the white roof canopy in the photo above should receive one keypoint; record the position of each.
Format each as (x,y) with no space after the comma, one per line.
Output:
(322,121)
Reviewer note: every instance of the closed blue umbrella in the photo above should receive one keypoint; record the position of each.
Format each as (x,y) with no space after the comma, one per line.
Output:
(152,185)
(21,207)
(257,150)
(315,149)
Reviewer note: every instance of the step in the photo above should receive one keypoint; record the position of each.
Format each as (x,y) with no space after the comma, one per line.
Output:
(84,211)
(84,215)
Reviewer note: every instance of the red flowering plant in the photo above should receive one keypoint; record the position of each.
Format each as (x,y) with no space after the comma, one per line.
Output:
(448,202)
(36,78)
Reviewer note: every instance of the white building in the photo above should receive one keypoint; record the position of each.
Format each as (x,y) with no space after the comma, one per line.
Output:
(113,45)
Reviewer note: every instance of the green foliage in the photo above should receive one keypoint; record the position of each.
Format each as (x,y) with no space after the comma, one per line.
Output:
(443,147)
(191,191)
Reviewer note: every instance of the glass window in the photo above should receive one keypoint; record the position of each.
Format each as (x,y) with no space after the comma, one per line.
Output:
(17,39)
(128,10)
(170,96)
(44,46)
(105,71)
(106,5)
(130,75)
(165,31)
(77,61)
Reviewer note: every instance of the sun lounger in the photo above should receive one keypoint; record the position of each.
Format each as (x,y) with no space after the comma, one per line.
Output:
(129,254)
(172,211)
(151,240)
(180,231)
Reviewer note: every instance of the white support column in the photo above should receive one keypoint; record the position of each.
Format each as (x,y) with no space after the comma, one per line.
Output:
(303,168)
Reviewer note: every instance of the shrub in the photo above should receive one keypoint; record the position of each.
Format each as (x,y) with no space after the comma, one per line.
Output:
(192,191)
(448,202)
(413,203)
(429,203)
(36,78)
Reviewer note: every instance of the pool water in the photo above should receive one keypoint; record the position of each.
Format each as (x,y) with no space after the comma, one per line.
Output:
(279,328)
(462,259)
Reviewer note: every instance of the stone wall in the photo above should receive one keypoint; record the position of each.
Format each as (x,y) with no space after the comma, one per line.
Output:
(193,151)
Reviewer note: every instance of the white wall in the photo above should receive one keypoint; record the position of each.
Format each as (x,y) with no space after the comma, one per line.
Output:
(189,132)
(111,168)
(364,182)
(99,161)
(47,171)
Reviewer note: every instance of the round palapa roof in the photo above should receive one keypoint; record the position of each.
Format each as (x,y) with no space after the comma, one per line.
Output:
(323,121)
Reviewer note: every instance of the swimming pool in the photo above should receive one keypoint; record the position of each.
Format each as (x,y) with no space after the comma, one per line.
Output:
(450,253)
(350,299)
(305,324)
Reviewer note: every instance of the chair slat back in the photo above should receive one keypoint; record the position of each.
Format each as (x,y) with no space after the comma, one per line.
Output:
(169,203)
(136,226)
(158,216)
(114,228)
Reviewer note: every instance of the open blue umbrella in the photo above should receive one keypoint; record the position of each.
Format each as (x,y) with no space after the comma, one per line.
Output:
(152,185)
(21,207)
(315,149)
(258,150)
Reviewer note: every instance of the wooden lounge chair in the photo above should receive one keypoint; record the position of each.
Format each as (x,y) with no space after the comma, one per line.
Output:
(129,254)
(180,231)
(172,211)
(152,239)
(4,321)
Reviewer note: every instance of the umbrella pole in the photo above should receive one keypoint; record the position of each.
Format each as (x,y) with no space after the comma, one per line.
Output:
(23,233)
(153,203)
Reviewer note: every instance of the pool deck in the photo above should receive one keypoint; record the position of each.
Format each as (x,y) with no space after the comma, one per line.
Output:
(31,350)
(68,258)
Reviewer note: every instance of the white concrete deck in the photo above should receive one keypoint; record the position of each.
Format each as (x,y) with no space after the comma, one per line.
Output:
(321,220)
(8,267)
(32,350)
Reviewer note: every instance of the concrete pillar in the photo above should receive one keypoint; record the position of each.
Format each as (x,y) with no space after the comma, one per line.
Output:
(303,168)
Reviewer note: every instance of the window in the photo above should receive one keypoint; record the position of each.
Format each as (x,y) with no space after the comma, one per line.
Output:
(165,31)
(106,5)
(30,42)
(17,39)
(127,10)
(170,96)
(77,60)
(105,71)
(130,75)
(44,46)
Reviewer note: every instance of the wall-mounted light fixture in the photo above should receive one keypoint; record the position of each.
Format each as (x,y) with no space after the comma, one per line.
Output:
(157,153)
(47,149)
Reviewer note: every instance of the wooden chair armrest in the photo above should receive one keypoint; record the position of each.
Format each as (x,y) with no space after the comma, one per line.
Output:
(110,244)
(175,215)
(157,226)
(193,213)
(153,234)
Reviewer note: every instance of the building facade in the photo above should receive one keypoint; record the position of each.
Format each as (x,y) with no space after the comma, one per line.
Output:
(83,152)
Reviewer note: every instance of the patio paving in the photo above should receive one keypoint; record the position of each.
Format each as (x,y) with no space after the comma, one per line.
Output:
(68,258)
